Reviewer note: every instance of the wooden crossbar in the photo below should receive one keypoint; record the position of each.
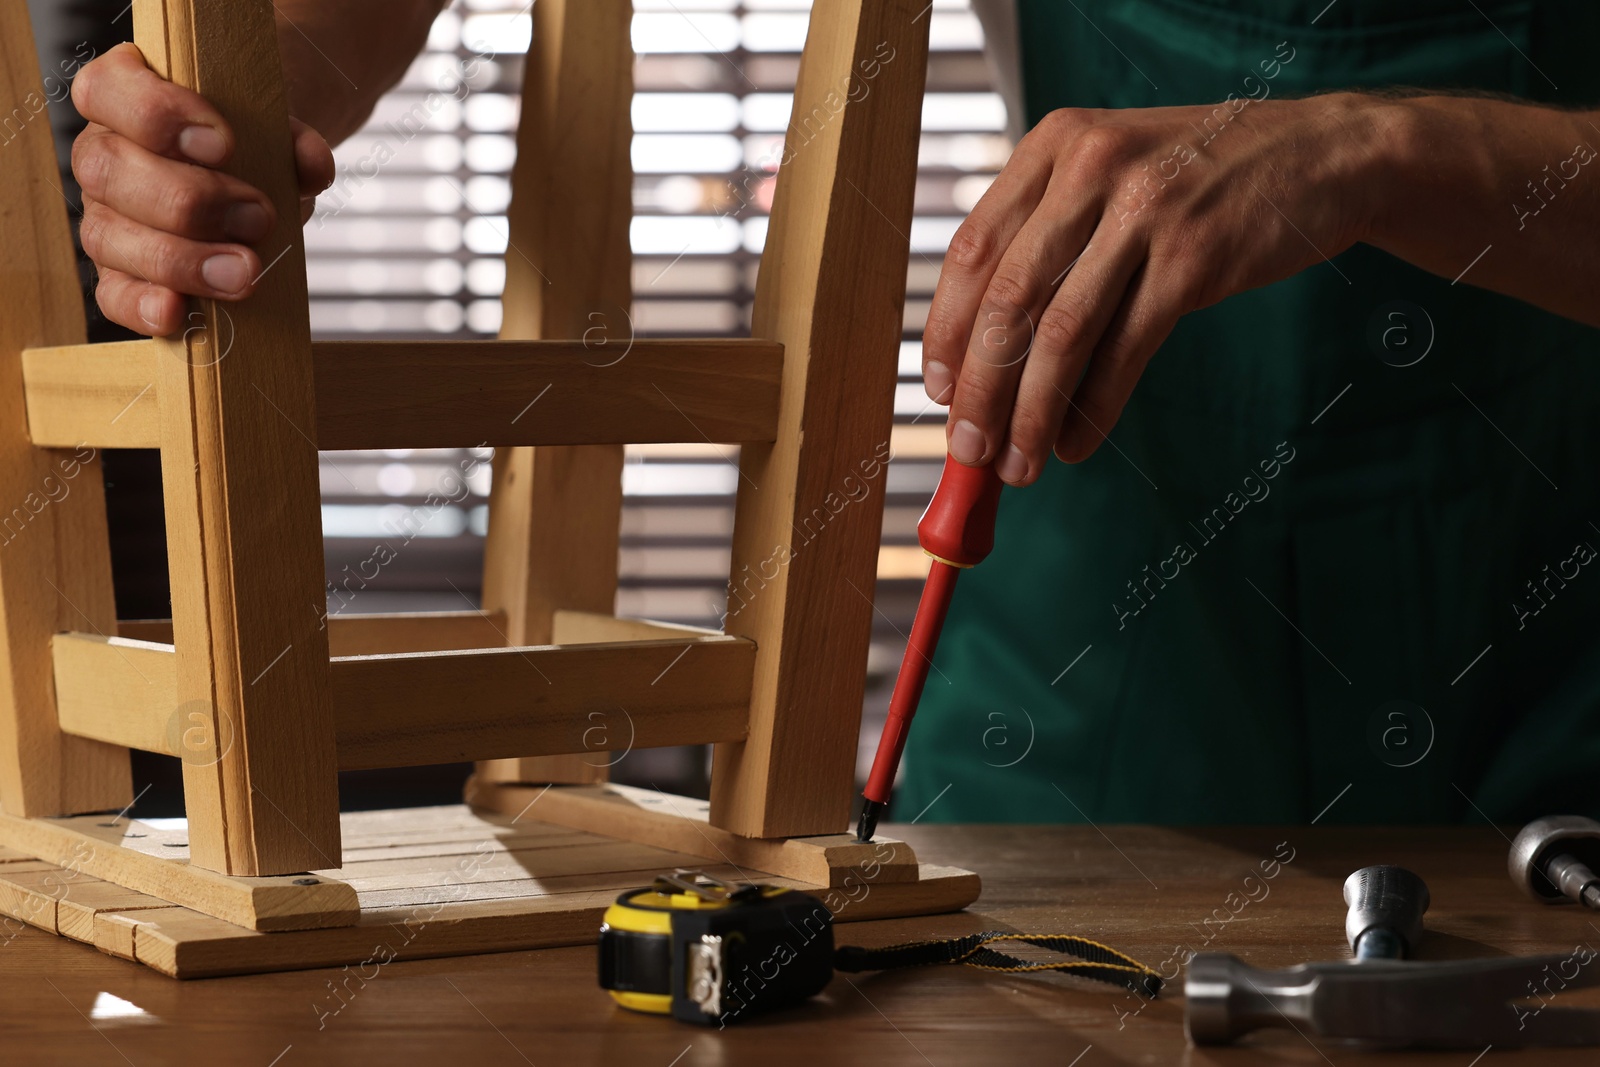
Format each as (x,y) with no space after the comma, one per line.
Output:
(377,633)
(373,634)
(443,394)
(413,708)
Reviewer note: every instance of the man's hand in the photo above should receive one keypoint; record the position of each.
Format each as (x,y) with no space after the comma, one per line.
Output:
(1103,229)
(159,220)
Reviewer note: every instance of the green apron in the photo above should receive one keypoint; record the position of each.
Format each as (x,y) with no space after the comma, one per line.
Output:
(1334,563)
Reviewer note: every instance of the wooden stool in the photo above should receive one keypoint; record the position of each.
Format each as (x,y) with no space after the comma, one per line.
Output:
(265,696)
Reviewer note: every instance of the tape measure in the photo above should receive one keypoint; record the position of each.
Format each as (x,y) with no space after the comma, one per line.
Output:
(712,952)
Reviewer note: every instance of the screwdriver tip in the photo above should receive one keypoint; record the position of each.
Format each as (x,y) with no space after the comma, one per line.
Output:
(868,823)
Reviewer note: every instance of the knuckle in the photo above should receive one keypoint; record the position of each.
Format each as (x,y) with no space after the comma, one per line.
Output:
(1029,428)
(186,206)
(1098,151)
(971,246)
(91,231)
(107,296)
(148,116)
(943,337)
(166,264)
(90,161)
(86,85)
(1009,297)
(1060,124)
(978,397)
(1059,327)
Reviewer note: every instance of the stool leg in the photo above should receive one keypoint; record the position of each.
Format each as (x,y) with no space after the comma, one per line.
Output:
(555,512)
(239,471)
(805,540)
(55,559)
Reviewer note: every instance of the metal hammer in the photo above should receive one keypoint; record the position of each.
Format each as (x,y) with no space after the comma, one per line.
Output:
(1380,997)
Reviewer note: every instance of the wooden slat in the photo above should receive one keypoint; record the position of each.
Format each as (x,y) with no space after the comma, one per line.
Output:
(432,631)
(414,904)
(55,560)
(104,848)
(832,289)
(441,394)
(185,945)
(439,707)
(653,817)
(125,692)
(587,627)
(104,395)
(427,394)
(555,513)
(366,635)
(239,473)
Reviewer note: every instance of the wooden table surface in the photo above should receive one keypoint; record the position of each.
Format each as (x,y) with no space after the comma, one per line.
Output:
(1148,891)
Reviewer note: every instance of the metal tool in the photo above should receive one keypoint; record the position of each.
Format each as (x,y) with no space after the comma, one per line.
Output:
(1383,998)
(1554,859)
(1386,907)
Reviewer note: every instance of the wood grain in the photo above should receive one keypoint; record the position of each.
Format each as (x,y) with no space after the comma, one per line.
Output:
(517,883)
(583,627)
(654,817)
(104,395)
(236,411)
(831,289)
(1036,877)
(443,394)
(125,692)
(55,559)
(135,856)
(413,708)
(555,513)
(365,635)
(582,699)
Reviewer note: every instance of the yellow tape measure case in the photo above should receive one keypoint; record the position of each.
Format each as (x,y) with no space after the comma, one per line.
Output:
(708,952)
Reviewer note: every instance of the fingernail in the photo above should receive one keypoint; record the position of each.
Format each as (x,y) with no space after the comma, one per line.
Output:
(226,273)
(966,442)
(937,381)
(202,144)
(1013,466)
(246,222)
(150,310)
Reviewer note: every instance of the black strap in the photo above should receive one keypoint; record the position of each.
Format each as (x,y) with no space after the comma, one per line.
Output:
(1100,962)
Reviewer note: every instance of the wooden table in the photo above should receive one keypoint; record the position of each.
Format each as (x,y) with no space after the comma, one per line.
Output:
(1145,890)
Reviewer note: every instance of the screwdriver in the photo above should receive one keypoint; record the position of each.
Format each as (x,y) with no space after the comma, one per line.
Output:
(957,530)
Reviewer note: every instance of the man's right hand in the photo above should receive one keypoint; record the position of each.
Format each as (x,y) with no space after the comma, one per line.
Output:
(159,221)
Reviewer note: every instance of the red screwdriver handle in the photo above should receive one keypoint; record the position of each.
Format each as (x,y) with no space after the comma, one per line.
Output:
(958,527)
